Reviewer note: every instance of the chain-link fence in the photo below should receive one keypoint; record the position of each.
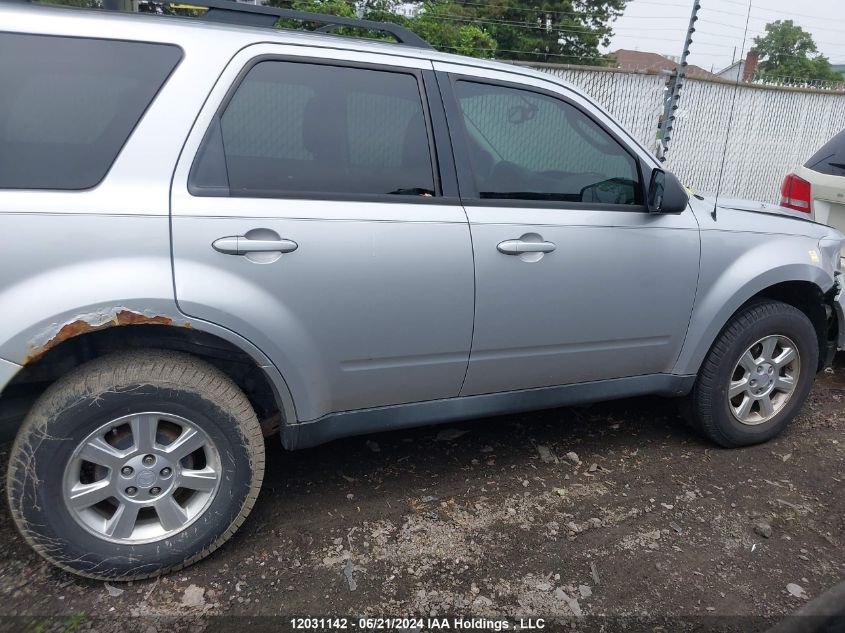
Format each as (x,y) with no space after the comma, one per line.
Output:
(772,130)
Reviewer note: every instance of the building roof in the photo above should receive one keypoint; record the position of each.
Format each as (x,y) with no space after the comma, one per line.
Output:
(643,60)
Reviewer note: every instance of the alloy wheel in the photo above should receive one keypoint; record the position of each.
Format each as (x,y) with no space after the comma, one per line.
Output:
(764,379)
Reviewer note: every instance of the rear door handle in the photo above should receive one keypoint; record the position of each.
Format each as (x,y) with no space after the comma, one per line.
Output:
(517,247)
(242,245)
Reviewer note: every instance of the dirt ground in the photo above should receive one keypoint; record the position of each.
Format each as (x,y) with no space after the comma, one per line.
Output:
(613,510)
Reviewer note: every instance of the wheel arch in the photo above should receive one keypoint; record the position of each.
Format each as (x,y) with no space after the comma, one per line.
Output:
(812,301)
(76,343)
(803,287)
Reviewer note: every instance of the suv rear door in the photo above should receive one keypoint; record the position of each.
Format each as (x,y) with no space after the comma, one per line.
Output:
(575,280)
(365,297)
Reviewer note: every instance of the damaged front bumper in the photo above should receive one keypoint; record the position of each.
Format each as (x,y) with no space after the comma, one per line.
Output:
(839,311)
(834,305)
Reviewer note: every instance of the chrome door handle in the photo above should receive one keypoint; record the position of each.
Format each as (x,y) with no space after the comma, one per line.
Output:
(518,247)
(241,245)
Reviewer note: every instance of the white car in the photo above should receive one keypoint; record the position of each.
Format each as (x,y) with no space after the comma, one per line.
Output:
(818,187)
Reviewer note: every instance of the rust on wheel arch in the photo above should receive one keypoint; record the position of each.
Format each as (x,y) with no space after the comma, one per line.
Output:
(84,325)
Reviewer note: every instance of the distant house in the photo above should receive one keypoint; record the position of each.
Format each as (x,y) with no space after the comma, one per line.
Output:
(742,70)
(732,72)
(643,60)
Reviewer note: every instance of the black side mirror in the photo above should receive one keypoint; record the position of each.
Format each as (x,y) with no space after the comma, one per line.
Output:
(665,193)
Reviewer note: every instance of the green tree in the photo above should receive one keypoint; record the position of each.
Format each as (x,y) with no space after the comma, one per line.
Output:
(788,54)
(455,36)
(330,7)
(560,31)
(453,28)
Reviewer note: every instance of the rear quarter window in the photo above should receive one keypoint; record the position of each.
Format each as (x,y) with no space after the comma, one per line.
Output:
(68,105)
(830,159)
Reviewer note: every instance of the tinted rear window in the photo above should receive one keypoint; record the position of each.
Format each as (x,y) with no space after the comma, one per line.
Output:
(830,159)
(67,105)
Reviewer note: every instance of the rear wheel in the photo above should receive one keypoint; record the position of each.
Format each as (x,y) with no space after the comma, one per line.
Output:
(756,376)
(134,465)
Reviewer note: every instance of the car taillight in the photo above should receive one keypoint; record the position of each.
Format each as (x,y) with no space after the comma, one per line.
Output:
(795,193)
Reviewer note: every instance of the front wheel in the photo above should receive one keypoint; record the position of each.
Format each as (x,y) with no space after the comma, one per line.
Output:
(135,464)
(756,376)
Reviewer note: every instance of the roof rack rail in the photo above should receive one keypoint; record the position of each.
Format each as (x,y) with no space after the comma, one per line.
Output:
(233,12)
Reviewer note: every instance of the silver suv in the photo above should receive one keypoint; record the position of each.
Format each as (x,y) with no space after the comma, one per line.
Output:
(216,231)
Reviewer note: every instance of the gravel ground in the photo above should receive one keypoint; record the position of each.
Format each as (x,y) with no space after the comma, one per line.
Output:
(614,510)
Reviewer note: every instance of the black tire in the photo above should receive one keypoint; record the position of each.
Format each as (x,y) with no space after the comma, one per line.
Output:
(105,389)
(707,408)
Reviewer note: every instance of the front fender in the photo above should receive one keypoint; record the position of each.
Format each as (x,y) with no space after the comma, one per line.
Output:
(736,266)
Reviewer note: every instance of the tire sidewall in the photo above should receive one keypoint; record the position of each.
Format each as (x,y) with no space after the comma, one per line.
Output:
(792,324)
(37,496)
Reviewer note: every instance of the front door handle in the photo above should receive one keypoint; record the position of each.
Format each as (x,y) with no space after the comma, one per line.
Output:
(242,245)
(518,247)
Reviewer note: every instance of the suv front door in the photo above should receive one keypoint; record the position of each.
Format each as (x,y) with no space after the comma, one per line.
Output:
(313,222)
(575,280)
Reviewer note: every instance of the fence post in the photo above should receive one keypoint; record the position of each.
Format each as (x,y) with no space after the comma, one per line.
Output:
(673,92)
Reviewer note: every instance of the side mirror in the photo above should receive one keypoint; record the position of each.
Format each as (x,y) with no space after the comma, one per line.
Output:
(665,193)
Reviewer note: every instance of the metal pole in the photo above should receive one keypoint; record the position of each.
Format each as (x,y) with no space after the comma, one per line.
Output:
(670,104)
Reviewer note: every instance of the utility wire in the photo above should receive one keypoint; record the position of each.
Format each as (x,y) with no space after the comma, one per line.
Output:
(525,9)
(587,30)
(528,25)
(540,53)
(791,13)
(661,4)
(731,114)
(762,31)
(734,38)
(556,12)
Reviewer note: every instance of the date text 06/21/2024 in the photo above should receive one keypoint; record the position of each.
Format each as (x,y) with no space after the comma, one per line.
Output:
(412,623)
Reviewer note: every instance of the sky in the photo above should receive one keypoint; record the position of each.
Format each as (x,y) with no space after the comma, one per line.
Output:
(659,27)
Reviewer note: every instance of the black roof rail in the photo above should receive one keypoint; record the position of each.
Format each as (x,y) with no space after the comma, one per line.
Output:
(233,12)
